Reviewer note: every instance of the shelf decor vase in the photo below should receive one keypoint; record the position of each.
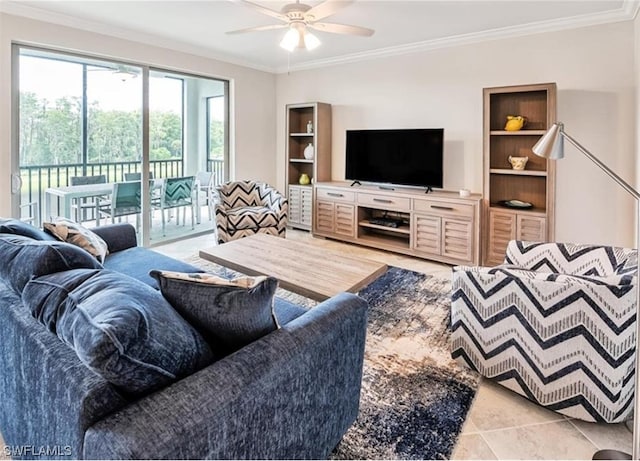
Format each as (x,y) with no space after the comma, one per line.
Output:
(515,122)
(309,127)
(518,163)
(304,179)
(308,152)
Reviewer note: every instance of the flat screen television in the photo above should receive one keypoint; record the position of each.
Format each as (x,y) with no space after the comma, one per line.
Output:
(411,157)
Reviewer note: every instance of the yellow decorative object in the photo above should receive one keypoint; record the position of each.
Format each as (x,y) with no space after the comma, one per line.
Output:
(515,122)
(304,179)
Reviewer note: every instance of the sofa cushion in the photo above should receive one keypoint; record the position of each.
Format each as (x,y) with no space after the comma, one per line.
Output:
(251,217)
(22,258)
(229,313)
(17,227)
(69,231)
(137,262)
(286,311)
(120,328)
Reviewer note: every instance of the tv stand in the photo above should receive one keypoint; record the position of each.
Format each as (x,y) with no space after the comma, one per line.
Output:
(429,189)
(442,227)
(355,182)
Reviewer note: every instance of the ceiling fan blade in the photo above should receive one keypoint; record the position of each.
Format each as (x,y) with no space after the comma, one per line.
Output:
(326,8)
(341,29)
(262,9)
(258,29)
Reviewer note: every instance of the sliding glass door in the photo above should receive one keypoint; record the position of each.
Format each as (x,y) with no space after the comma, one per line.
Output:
(80,120)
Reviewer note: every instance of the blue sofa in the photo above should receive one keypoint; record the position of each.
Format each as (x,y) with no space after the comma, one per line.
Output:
(292,394)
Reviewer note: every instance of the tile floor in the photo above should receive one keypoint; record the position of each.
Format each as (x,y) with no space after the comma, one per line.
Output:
(501,424)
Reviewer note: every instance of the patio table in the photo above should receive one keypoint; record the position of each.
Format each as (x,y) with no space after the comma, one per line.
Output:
(67,194)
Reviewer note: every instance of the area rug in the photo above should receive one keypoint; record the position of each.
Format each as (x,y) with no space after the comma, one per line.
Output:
(414,396)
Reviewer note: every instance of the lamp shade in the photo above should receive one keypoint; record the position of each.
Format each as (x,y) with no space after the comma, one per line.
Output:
(299,37)
(311,42)
(551,145)
(290,39)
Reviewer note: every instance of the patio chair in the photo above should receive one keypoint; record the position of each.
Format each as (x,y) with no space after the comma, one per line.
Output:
(246,208)
(177,193)
(124,201)
(83,205)
(555,323)
(135,176)
(205,181)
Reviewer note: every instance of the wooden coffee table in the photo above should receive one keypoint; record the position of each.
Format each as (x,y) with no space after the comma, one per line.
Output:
(304,268)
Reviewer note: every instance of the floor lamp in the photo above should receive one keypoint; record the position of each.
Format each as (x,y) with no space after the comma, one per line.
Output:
(551,146)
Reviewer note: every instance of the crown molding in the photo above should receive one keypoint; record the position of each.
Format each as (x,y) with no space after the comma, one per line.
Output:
(31,12)
(626,12)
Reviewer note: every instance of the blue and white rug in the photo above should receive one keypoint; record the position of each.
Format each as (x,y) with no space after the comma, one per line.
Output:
(414,396)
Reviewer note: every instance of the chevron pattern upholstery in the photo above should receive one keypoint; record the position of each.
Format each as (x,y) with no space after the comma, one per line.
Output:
(244,208)
(555,323)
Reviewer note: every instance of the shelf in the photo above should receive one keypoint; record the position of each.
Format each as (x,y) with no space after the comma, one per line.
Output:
(310,135)
(300,160)
(534,210)
(517,133)
(517,172)
(384,242)
(403,229)
(301,185)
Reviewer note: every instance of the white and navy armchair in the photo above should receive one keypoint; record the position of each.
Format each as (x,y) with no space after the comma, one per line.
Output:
(244,208)
(555,323)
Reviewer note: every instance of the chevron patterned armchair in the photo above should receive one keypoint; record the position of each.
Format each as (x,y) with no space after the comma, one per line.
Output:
(244,208)
(555,323)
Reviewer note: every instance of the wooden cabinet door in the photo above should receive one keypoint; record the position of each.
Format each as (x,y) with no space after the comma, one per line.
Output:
(532,228)
(306,206)
(325,217)
(457,239)
(502,228)
(426,234)
(345,219)
(295,205)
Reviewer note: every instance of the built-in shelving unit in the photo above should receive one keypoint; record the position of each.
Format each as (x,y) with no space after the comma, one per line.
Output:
(318,168)
(535,184)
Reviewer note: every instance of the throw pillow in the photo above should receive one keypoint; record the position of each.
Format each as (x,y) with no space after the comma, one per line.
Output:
(17,227)
(69,231)
(229,313)
(22,258)
(120,328)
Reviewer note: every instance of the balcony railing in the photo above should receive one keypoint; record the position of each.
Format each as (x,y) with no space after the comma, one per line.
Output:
(36,179)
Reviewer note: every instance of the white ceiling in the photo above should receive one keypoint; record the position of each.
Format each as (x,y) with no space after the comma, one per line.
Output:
(400,26)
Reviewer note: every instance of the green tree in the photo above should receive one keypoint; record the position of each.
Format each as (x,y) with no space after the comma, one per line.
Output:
(51,134)
(216,139)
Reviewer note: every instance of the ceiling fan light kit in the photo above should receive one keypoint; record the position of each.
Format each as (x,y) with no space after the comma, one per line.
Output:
(299,18)
(299,37)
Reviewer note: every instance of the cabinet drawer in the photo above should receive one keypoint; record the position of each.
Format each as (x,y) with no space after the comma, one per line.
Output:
(448,208)
(384,202)
(337,195)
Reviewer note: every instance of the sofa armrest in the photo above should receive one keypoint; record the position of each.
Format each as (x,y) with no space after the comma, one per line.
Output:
(118,236)
(291,394)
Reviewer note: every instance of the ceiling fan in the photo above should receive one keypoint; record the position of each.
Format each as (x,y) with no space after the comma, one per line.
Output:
(119,71)
(299,17)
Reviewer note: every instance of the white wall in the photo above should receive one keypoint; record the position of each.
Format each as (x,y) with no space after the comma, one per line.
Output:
(252,92)
(637,72)
(593,68)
